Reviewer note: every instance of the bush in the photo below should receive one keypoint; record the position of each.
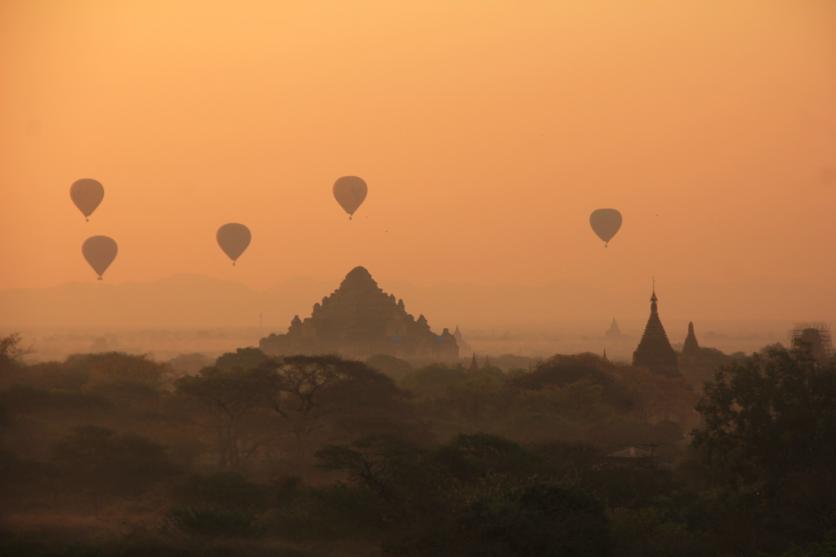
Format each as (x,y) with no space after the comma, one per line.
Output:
(116,367)
(536,520)
(213,521)
(645,532)
(223,489)
(389,365)
(327,513)
(102,460)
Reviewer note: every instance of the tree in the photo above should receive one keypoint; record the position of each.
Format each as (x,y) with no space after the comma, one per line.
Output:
(769,439)
(11,352)
(389,365)
(231,396)
(434,381)
(533,520)
(494,501)
(189,363)
(581,369)
(335,397)
(393,470)
(112,369)
(660,397)
(100,459)
(241,359)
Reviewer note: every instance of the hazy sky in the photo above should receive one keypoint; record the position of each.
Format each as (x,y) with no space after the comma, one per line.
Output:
(487,132)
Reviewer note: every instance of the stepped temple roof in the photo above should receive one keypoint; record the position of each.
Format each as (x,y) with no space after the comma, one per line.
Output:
(359,320)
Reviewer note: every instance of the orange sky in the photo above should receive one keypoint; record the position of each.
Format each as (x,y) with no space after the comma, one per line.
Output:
(487,132)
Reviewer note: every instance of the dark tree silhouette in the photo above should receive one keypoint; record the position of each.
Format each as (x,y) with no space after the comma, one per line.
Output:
(104,461)
(769,438)
(328,394)
(230,396)
(11,351)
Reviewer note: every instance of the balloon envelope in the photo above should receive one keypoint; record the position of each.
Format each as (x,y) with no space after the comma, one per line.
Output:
(350,192)
(99,251)
(605,223)
(234,239)
(86,194)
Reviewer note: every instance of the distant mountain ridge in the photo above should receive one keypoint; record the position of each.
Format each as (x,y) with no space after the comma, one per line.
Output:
(179,300)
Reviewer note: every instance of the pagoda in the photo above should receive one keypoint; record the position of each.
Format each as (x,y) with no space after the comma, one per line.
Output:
(691,348)
(614,332)
(360,320)
(460,341)
(654,351)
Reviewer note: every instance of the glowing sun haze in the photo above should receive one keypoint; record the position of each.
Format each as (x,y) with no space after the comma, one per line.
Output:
(487,132)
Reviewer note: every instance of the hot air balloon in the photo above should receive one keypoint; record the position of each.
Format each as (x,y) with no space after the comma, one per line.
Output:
(86,194)
(605,223)
(234,239)
(99,251)
(350,191)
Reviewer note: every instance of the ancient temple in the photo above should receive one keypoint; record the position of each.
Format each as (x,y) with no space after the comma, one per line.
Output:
(691,348)
(697,363)
(359,320)
(814,340)
(654,351)
(474,365)
(614,332)
(463,345)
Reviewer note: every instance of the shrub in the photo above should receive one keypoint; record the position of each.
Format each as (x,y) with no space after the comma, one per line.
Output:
(213,521)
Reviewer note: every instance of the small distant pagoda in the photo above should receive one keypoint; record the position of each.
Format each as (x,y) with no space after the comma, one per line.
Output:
(474,365)
(814,340)
(360,320)
(654,351)
(614,332)
(691,348)
(463,345)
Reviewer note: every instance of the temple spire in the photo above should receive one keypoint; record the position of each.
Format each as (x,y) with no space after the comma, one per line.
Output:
(653,298)
(614,331)
(654,351)
(474,365)
(691,348)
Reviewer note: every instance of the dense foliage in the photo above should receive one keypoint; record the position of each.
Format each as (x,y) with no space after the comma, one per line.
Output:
(113,454)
